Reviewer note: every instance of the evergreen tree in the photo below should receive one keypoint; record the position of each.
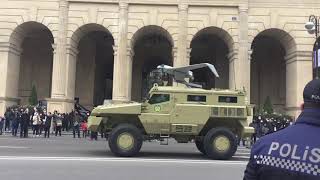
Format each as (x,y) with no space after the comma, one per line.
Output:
(33,99)
(267,106)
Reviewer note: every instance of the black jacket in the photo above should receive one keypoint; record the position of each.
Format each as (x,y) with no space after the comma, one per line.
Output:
(289,154)
(48,121)
(25,119)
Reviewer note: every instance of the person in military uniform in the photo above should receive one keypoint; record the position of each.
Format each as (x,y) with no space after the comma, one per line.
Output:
(25,118)
(294,152)
(15,122)
(76,125)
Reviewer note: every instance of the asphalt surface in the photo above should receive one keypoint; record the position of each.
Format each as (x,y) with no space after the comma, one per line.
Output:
(82,159)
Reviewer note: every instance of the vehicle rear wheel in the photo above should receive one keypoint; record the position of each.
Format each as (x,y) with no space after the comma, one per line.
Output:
(220,144)
(125,140)
(199,144)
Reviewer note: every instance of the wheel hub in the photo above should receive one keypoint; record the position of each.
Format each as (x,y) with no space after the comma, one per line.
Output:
(125,141)
(221,143)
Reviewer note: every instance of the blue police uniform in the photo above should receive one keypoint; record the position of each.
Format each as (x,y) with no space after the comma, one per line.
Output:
(292,153)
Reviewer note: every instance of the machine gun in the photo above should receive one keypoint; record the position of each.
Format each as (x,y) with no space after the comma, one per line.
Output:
(180,74)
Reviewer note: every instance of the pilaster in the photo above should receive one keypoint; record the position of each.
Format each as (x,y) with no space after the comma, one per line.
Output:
(9,79)
(298,74)
(175,54)
(122,64)
(71,66)
(189,54)
(232,57)
(59,55)
(182,59)
(61,65)
(242,64)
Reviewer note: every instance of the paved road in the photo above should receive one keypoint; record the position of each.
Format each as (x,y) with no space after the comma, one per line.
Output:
(82,159)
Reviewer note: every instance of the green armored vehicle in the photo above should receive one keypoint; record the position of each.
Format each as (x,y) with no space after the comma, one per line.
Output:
(212,119)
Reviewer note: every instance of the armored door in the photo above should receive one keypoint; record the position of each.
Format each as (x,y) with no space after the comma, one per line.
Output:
(156,113)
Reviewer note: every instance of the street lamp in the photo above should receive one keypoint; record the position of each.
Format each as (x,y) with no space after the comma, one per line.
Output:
(313,27)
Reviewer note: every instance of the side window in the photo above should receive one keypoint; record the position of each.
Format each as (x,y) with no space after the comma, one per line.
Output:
(159,98)
(228,99)
(196,98)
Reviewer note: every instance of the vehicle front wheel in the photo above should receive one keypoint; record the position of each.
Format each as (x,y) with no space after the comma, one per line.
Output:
(125,140)
(220,144)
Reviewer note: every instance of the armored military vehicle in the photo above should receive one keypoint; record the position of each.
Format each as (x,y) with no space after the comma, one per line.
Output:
(212,119)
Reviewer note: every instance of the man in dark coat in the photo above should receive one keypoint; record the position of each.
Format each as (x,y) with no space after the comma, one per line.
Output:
(7,116)
(47,125)
(25,118)
(293,152)
(1,124)
(15,122)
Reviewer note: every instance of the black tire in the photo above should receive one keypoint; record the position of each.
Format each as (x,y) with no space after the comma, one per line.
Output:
(199,144)
(128,130)
(229,144)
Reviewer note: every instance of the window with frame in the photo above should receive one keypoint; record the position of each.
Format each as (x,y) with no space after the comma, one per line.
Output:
(159,98)
(228,99)
(196,98)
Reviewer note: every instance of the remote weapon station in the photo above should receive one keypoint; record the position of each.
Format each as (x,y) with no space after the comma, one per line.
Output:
(212,119)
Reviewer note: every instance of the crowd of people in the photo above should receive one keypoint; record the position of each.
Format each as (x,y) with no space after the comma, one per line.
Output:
(264,124)
(19,120)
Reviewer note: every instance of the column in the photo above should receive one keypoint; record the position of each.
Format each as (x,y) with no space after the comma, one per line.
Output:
(57,89)
(189,54)
(242,63)
(71,66)
(59,56)
(59,100)
(182,59)
(129,58)
(298,74)
(232,56)
(175,54)
(122,62)
(9,79)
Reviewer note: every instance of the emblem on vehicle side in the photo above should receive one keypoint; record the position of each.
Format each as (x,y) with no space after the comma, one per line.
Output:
(157,108)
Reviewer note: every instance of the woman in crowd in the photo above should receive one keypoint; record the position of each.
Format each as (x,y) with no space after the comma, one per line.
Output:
(36,122)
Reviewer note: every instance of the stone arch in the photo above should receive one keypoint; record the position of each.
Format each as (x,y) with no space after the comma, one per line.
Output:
(21,30)
(149,30)
(212,45)
(219,32)
(283,37)
(31,65)
(272,49)
(152,46)
(94,64)
(83,30)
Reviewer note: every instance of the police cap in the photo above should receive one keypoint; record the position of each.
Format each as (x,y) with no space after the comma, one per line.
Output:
(311,92)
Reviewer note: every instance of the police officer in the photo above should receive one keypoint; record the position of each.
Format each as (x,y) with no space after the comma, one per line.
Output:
(294,152)
(24,123)
(15,122)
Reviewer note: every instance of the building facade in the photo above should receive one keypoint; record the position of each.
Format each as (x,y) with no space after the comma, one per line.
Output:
(99,49)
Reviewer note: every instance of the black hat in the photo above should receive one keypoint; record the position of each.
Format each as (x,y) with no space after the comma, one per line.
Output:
(311,92)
